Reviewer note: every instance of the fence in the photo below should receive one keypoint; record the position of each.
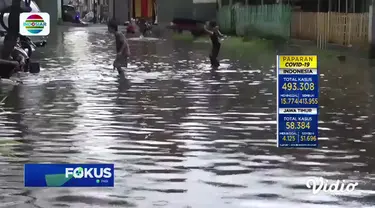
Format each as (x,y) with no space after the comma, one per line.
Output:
(271,19)
(332,27)
(225,19)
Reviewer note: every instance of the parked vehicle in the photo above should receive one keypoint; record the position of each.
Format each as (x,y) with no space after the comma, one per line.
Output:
(21,55)
(196,27)
(70,14)
(38,40)
(19,59)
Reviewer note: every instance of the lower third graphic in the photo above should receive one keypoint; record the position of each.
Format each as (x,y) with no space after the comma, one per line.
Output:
(69,175)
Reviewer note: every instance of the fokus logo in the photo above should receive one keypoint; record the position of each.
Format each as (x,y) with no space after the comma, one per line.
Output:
(99,174)
(34,24)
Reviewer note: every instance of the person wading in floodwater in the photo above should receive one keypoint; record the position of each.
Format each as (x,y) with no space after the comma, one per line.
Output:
(215,35)
(144,27)
(122,47)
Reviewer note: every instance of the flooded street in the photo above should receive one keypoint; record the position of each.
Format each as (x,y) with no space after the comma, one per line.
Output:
(180,136)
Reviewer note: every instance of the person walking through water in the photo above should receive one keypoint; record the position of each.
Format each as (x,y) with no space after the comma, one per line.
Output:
(215,35)
(144,27)
(122,47)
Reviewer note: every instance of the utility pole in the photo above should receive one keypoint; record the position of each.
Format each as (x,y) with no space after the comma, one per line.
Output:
(372,30)
(95,11)
(114,9)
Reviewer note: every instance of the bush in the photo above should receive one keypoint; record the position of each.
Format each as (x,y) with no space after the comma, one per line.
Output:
(252,32)
(263,32)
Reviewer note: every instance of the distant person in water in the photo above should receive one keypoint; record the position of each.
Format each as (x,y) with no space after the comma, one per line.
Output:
(131,26)
(215,35)
(122,47)
(144,26)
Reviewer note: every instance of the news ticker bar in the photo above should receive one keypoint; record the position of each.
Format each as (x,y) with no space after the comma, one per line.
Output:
(297,101)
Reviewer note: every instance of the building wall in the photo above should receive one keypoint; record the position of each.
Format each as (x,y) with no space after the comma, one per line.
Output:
(167,10)
(205,11)
(121,11)
(53,7)
(204,1)
(110,8)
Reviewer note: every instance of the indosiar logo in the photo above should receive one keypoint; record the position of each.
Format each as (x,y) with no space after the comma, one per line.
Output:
(34,24)
(100,174)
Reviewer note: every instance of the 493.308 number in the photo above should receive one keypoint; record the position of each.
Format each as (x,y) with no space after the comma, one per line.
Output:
(298,86)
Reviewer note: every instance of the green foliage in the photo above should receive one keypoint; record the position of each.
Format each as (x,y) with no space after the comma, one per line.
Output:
(250,49)
(253,32)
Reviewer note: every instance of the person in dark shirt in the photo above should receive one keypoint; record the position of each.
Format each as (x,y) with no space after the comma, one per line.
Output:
(144,27)
(122,47)
(215,35)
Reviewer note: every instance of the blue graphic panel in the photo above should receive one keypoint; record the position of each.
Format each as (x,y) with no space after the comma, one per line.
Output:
(69,175)
(297,101)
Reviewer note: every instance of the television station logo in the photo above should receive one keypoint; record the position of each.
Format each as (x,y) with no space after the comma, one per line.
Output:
(34,24)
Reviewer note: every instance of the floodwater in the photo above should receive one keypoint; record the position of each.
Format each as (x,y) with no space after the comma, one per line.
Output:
(178,134)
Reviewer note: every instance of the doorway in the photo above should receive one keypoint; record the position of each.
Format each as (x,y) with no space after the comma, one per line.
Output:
(144,9)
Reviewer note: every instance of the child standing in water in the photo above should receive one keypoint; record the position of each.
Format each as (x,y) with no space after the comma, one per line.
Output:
(122,47)
(215,36)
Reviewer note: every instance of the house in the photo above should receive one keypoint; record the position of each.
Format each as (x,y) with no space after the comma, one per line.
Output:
(53,7)
(124,10)
(195,9)
(205,9)
(113,11)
